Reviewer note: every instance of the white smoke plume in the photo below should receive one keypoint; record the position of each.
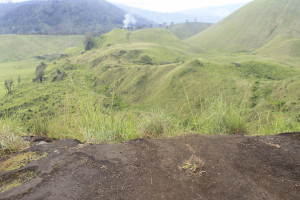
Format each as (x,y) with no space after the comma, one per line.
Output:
(129,21)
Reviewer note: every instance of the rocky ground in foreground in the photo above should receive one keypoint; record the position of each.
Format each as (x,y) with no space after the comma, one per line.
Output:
(187,167)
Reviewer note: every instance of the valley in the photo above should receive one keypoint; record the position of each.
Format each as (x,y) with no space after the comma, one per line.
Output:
(150,79)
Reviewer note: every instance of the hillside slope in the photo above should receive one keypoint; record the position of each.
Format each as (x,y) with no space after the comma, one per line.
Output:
(21,47)
(186,30)
(253,26)
(20,54)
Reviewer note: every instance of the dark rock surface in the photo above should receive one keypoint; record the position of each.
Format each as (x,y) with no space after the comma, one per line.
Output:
(234,167)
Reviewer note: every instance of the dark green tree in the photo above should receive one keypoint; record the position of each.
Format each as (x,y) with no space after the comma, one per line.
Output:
(19,80)
(89,40)
(40,71)
(8,84)
(146,60)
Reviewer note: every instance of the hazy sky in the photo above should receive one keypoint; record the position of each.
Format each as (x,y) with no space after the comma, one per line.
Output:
(175,5)
(168,5)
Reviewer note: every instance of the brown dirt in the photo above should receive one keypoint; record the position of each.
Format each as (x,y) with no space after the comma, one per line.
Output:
(221,167)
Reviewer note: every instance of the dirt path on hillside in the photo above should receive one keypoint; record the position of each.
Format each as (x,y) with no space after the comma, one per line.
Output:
(187,167)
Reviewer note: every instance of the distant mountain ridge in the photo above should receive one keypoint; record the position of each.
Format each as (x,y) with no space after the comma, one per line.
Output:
(61,17)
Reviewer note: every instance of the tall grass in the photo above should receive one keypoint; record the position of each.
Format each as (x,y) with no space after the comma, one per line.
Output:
(10,137)
(216,116)
(219,117)
(275,123)
(94,123)
(100,125)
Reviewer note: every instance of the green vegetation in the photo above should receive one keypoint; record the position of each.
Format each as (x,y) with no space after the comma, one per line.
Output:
(140,89)
(186,30)
(20,54)
(8,84)
(149,83)
(16,48)
(273,31)
(10,137)
(62,17)
(40,72)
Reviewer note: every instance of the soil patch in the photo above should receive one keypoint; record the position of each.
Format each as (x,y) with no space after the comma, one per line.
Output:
(187,167)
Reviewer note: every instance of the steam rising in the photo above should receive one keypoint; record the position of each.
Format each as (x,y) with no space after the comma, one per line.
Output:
(129,21)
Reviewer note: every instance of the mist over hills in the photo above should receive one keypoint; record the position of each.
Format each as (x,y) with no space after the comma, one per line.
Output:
(62,17)
(207,14)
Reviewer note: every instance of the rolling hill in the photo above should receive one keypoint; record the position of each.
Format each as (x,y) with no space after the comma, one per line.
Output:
(186,30)
(267,26)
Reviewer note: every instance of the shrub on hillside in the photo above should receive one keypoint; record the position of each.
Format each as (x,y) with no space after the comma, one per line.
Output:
(155,124)
(89,41)
(146,60)
(8,84)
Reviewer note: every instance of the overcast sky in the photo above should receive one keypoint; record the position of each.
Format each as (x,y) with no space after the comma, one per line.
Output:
(168,5)
(175,5)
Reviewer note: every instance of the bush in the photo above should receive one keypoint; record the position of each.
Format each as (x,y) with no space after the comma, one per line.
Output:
(146,60)
(89,41)
(155,124)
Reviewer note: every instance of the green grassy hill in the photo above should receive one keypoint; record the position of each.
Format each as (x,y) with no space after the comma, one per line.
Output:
(125,89)
(158,36)
(257,24)
(186,30)
(21,47)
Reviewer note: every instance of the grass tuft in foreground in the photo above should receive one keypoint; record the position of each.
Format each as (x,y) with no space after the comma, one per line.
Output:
(10,137)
